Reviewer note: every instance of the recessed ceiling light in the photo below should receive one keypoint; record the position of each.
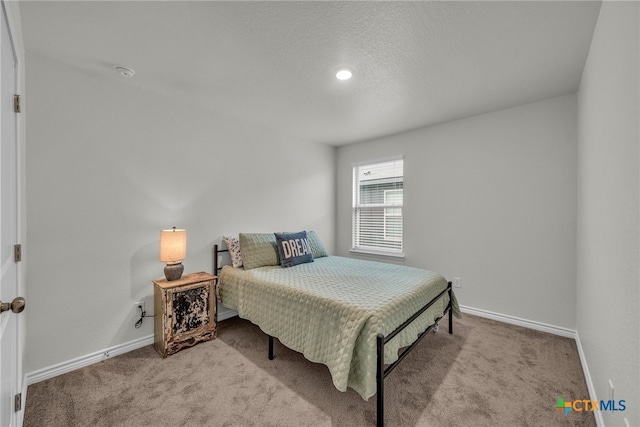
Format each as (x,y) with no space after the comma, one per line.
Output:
(125,72)
(344,74)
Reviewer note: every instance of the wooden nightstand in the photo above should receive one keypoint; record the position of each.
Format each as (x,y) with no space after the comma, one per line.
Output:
(185,312)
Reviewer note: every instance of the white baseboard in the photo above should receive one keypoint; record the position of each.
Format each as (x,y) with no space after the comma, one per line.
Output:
(89,359)
(587,377)
(225,313)
(531,324)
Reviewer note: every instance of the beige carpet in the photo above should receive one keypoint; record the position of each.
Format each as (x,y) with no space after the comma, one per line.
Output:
(486,374)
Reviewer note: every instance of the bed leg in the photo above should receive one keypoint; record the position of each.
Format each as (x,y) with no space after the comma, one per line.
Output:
(270,347)
(380,381)
(450,309)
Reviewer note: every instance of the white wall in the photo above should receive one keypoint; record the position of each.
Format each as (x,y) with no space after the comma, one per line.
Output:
(108,166)
(490,199)
(608,209)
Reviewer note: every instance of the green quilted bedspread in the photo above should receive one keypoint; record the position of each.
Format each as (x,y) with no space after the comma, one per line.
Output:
(331,310)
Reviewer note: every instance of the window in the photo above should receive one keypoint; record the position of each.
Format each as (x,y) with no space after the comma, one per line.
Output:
(377,207)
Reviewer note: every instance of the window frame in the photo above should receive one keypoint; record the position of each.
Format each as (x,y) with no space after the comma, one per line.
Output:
(358,207)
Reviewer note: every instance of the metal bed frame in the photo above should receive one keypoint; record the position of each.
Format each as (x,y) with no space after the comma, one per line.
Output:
(381,340)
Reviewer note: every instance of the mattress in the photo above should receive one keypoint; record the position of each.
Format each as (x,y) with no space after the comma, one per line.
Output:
(331,310)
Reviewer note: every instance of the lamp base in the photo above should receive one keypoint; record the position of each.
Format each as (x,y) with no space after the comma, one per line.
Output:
(173,271)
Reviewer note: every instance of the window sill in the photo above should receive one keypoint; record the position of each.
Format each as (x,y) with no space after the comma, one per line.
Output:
(378,254)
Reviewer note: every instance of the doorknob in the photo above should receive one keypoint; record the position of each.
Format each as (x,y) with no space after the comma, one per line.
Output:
(17,305)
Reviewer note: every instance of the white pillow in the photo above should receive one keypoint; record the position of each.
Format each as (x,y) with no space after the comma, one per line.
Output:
(234,250)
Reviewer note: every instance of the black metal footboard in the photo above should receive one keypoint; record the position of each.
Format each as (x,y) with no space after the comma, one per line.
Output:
(381,340)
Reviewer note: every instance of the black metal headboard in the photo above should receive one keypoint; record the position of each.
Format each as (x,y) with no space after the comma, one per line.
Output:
(216,252)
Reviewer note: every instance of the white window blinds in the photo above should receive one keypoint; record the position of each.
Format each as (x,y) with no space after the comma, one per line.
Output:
(377,206)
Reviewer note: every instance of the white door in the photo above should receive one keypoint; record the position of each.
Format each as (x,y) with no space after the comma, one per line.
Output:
(10,322)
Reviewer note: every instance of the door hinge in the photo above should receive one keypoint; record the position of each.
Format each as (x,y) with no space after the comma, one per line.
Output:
(17,404)
(17,253)
(16,103)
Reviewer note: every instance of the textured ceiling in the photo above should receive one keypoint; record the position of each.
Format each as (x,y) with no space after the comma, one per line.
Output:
(273,63)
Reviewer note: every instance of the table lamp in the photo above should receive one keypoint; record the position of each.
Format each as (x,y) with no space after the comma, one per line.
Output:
(173,249)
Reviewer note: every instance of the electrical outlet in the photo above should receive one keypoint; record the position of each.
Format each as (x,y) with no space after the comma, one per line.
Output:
(457,282)
(139,307)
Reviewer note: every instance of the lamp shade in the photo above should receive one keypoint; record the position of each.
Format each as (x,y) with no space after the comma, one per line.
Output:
(173,245)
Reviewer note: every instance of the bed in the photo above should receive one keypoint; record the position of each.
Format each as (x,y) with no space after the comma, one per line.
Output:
(351,315)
